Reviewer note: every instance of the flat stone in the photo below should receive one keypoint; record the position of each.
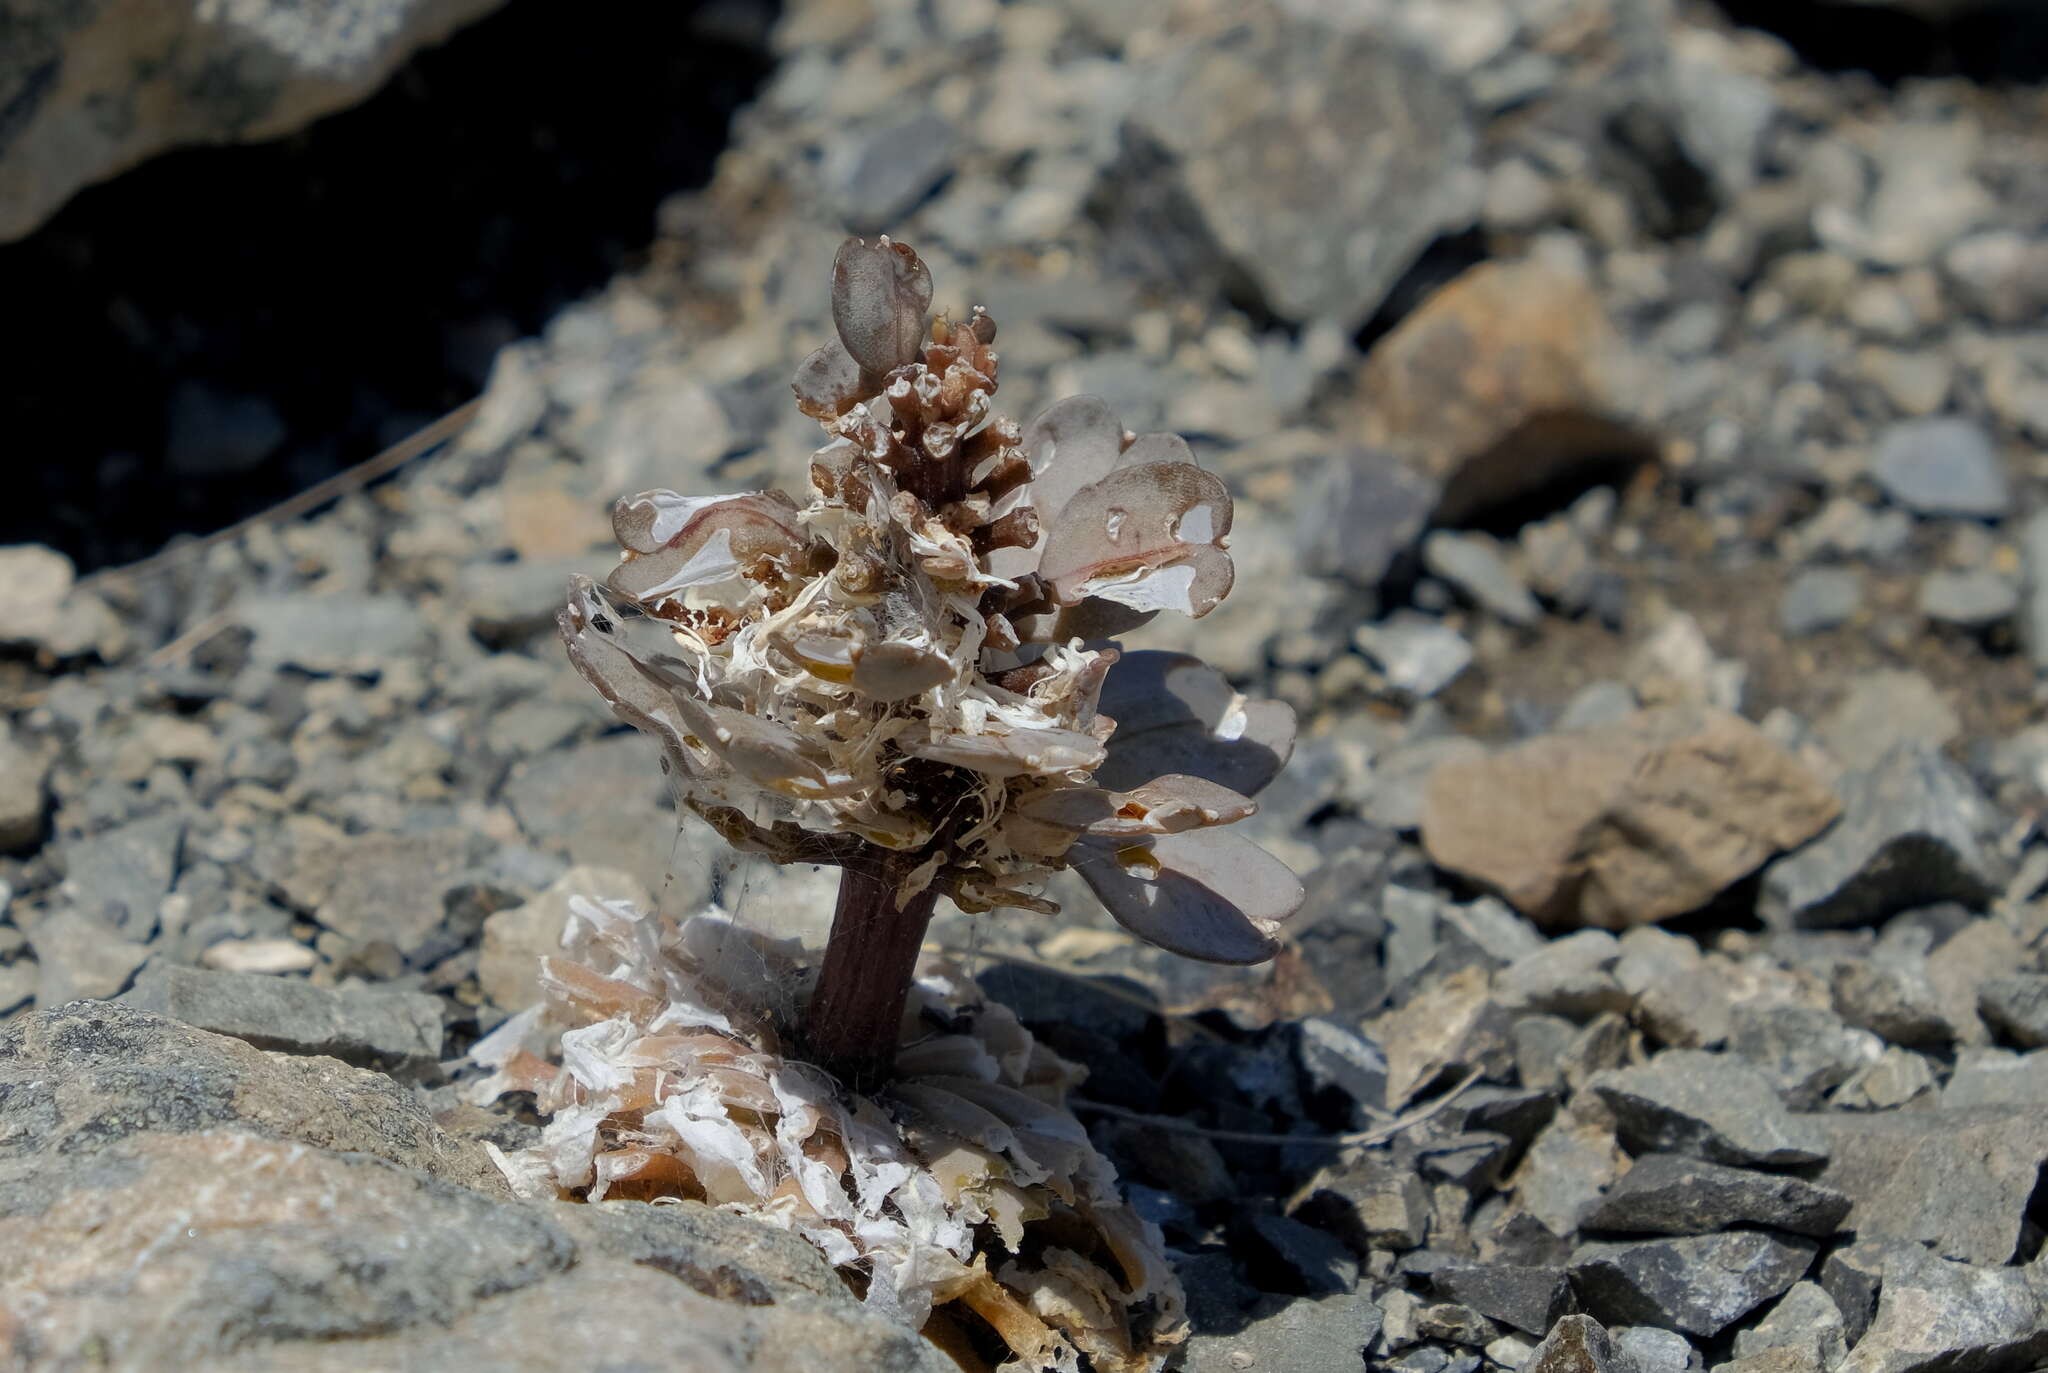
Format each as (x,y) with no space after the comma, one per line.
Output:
(602,802)
(43,608)
(1296,1258)
(1418,656)
(338,633)
(1571,977)
(1671,1194)
(1569,1165)
(1371,1204)
(1337,1058)
(1975,599)
(1820,598)
(81,954)
(1851,1275)
(1687,1100)
(24,792)
(876,178)
(392,889)
(1450,1026)
(1943,466)
(1677,995)
(1628,823)
(1936,1314)
(1914,831)
(1326,1335)
(366,1025)
(1956,1180)
(1474,564)
(1530,1299)
(1893,999)
(1658,1351)
(122,875)
(1994,1077)
(2018,1007)
(1700,1284)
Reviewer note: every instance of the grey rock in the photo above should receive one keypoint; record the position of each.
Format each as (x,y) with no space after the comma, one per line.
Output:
(1472,562)
(332,634)
(1936,1314)
(1820,598)
(1914,831)
(1658,1351)
(1692,1101)
(1851,1275)
(1579,1344)
(877,178)
(1540,1043)
(1328,1335)
(2018,1007)
(1805,1318)
(1700,1285)
(1568,1166)
(1893,998)
(392,889)
(602,802)
(24,792)
(365,1025)
(1595,704)
(1943,466)
(1571,976)
(1955,1180)
(1805,1051)
(504,602)
(1528,1298)
(2034,606)
(2000,274)
(81,954)
(122,875)
(254,74)
(1974,599)
(1994,1077)
(1898,1077)
(1418,655)
(1401,775)
(1378,164)
(1670,1194)
(1558,563)
(1885,710)
(1367,510)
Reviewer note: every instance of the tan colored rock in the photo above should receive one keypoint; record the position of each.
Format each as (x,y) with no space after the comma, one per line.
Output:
(1502,383)
(1625,824)
(515,940)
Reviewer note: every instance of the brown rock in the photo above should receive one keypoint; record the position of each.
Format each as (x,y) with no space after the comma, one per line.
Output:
(1625,824)
(1502,383)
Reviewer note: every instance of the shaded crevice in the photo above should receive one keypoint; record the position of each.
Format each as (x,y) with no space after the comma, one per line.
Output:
(2005,41)
(221,327)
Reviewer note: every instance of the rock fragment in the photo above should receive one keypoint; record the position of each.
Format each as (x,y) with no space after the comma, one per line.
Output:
(1956,1180)
(1933,1313)
(1700,1284)
(1670,1194)
(364,1025)
(1690,1101)
(1943,466)
(1624,824)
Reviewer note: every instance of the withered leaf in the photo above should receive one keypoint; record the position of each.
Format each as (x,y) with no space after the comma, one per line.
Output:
(1208,894)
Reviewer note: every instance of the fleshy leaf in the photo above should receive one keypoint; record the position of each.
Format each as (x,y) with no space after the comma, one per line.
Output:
(1071,444)
(1158,447)
(1165,805)
(1046,752)
(712,542)
(1176,714)
(1145,537)
(1207,894)
(880,292)
(828,383)
(893,671)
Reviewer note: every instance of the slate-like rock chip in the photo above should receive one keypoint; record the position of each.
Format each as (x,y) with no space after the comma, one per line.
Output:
(1670,1194)
(1933,1313)
(368,1026)
(1956,1180)
(1528,1298)
(1690,1101)
(1700,1284)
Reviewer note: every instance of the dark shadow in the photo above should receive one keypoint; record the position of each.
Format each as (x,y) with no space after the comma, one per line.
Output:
(1998,42)
(221,327)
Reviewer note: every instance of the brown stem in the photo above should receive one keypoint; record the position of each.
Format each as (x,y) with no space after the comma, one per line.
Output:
(856,1013)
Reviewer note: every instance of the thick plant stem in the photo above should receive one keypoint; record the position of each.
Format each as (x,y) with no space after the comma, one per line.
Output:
(856,1014)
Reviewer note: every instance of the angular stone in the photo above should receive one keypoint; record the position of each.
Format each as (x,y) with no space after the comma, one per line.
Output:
(1296,1258)
(602,802)
(1914,831)
(366,1025)
(1658,1351)
(1501,384)
(122,875)
(392,888)
(1329,1335)
(1956,1180)
(1567,1167)
(1700,1285)
(2018,1007)
(1418,656)
(1474,565)
(1936,1314)
(24,786)
(1898,1077)
(1336,1058)
(1687,1100)
(1451,1026)
(1885,710)
(1678,996)
(41,605)
(1805,1318)
(1368,509)
(1670,1194)
(1529,1299)
(1578,1344)
(1994,1077)
(1371,1204)
(1820,598)
(1626,824)
(1803,1051)
(1378,165)
(1851,1275)
(1570,977)
(339,633)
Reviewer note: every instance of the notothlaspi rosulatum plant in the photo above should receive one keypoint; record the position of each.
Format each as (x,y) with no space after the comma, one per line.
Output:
(911,675)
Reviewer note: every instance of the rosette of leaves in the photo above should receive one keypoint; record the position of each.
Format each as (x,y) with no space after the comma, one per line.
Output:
(964,1199)
(914,672)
